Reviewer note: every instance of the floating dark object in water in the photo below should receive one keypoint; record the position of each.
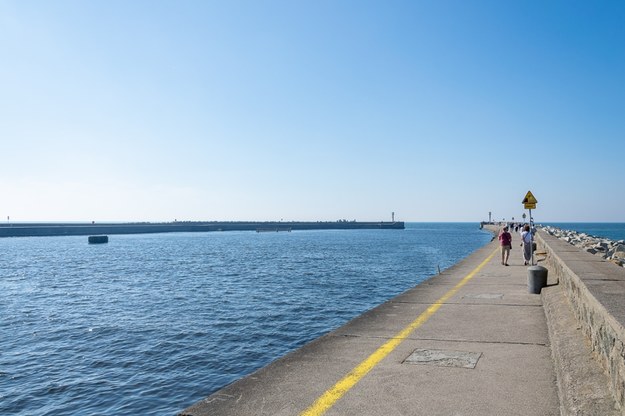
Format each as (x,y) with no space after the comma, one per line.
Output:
(98,239)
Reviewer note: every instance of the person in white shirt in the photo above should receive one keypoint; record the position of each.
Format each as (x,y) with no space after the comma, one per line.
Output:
(526,238)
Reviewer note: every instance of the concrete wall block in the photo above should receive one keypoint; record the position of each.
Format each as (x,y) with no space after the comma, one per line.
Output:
(617,372)
(605,334)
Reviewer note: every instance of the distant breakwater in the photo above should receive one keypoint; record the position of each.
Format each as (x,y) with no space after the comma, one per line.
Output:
(605,248)
(65,229)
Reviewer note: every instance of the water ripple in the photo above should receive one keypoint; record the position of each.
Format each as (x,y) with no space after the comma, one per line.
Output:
(149,324)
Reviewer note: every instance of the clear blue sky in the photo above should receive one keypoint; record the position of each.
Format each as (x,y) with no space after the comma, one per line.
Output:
(311,110)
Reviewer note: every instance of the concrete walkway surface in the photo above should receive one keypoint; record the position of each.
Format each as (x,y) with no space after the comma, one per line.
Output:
(479,346)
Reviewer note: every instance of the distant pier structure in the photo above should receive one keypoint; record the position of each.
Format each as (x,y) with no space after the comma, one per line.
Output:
(273,229)
(60,229)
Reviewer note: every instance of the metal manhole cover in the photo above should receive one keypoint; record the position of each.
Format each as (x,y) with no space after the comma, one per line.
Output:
(443,358)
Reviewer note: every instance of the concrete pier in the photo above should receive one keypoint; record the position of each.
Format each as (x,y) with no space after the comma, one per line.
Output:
(64,229)
(471,341)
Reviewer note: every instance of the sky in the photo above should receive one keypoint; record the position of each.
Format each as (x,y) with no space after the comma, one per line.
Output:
(311,110)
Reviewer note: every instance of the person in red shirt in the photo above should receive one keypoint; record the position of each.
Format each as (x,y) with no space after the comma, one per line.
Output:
(505,239)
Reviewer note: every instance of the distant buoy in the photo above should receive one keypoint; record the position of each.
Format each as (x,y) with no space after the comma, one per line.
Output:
(98,239)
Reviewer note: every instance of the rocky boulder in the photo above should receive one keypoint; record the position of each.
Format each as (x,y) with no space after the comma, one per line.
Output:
(613,251)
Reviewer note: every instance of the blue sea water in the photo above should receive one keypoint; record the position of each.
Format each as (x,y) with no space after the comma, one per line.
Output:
(611,230)
(150,324)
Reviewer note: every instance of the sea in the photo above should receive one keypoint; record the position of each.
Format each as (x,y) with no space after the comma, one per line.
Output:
(150,324)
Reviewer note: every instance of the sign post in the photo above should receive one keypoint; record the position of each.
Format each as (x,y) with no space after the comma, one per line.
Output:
(529,203)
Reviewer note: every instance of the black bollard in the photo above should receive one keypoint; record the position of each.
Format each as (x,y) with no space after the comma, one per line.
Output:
(536,279)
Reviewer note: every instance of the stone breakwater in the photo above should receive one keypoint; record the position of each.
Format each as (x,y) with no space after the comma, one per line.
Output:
(63,229)
(607,249)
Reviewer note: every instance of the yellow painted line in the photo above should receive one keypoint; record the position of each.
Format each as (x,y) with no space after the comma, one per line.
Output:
(331,396)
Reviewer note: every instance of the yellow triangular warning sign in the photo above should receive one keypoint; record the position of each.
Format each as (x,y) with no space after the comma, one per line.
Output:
(529,199)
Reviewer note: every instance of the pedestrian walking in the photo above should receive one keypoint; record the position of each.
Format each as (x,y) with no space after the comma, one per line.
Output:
(505,239)
(526,243)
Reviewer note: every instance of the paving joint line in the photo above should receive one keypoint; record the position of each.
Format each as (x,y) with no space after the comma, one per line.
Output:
(460,341)
(468,304)
(477,284)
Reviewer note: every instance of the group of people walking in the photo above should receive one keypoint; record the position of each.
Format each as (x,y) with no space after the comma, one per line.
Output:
(505,240)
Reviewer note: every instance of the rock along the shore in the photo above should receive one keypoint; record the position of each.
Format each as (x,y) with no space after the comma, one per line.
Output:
(613,251)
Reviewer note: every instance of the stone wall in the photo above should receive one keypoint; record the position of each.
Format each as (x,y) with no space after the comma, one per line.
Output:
(596,289)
